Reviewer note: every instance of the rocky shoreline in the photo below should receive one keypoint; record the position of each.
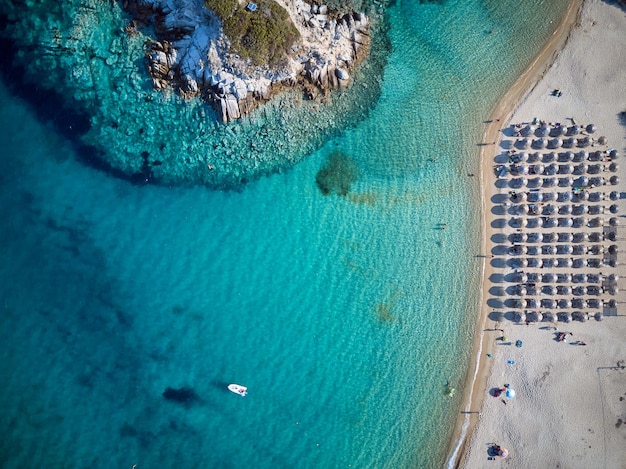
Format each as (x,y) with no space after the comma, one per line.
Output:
(190,54)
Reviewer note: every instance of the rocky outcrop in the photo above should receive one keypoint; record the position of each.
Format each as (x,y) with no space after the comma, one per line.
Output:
(191,54)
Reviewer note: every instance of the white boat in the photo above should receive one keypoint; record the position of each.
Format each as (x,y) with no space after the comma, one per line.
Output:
(238,389)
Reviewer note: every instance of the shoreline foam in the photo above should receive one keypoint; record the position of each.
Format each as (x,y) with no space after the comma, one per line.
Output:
(480,367)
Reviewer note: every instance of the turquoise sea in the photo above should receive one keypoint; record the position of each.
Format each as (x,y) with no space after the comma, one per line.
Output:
(344,316)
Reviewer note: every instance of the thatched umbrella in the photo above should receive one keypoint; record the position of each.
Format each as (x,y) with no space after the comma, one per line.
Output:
(565,237)
(580,237)
(535,263)
(569,142)
(518,250)
(578,316)
(551,169)
(581,168)
(534,237)
(548,278)
(613,154)
(573,130)
(549,209)
(549,157)
(566,169)
(564,196)
(532,250)
(595,222)
(593,290)
(595,237)
(611,263)
(564,304)
(566,182)
(611,304)
(612,236)
(524,143)
(593,278)
(534,183)
(564,278)
(613,167)
(578,250)
(612,290)
(565,262)
(518,237)
(549,196)
(535,223)
(548,290)
(533,157)
(517,197)
(597,181)
(602,140)
(550,222)
(614,180)
(556,143)
(540,143)
(566,249)
(537,168)
(519,316)
(584,142)
(596,197)
(518,222)
(580,222)
(579,263)
(549,262)
(548,237)
(612,278)
(596,249)
(532,303)
(613,221)
(549,316)
(613,249)
(535,197)
(598,316)
(548,303)
(594,263)
(565,210)
(614,208)
(594,169)
(578,303)
(565,290)
(532,316)
(549,250)
(566,222)
(580,209)
(595,156)
(593,303)
(519,262)
(579,278)
(564,317)
(591,128)
(522,209)
(596,209)
(614,195)
(580,156)
(578,291)
(543,131)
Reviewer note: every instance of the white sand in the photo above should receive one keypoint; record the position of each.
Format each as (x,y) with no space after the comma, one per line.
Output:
(570,399)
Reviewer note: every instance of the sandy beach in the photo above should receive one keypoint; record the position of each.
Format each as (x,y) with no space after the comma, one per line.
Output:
(569,408)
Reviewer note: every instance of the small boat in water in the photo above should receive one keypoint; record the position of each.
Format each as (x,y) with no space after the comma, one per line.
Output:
(238,389)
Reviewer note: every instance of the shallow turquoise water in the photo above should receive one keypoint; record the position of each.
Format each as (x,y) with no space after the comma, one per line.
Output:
(345,317)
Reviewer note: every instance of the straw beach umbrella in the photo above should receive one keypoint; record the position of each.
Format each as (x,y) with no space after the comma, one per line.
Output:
(613,154)
(548,278)
(591,128)
(614,180)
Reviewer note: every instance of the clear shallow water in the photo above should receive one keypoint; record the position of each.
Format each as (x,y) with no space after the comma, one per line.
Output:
(345,317)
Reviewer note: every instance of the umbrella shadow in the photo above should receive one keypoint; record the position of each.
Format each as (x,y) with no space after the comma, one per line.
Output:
(498,223)
(498,238)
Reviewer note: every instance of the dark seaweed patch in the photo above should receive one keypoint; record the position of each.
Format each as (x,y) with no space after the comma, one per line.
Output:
(338,175)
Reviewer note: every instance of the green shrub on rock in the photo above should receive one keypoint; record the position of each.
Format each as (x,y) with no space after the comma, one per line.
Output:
(264,35)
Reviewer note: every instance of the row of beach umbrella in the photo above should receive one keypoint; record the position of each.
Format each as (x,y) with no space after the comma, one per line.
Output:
(576,263)
(581,182)
(562,237)
(553,169)
(561,249)
(549,277)
(563,222)
(583,209)
(556,130)
(582,156)
(517,197)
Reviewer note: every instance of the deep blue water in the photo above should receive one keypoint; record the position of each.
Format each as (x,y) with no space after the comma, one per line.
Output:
(344,316)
